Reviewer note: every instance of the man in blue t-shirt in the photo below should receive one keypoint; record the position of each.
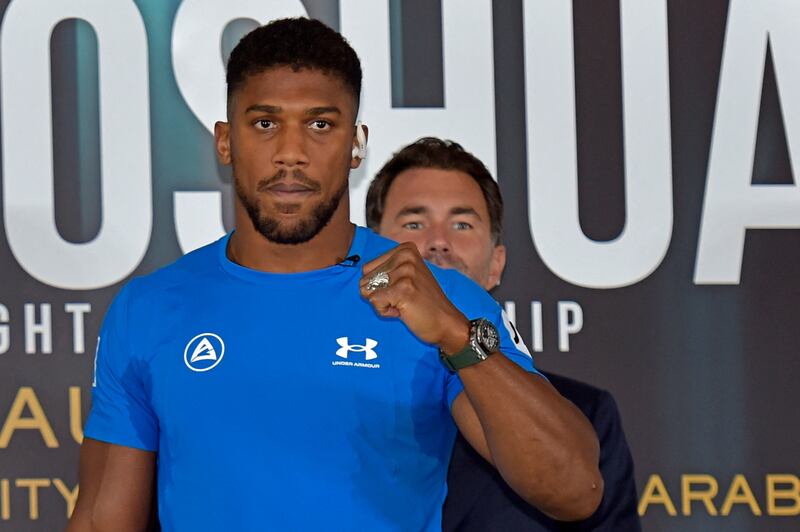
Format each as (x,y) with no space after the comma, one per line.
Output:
(441,197)
(302,373)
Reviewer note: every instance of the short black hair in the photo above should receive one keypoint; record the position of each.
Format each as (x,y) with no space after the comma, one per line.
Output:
(299,43)
(432,152)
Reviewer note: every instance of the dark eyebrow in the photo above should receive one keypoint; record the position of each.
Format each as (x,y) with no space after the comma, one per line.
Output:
(263,108)
(274,109)
(414,209)
(465,210)
(316,111)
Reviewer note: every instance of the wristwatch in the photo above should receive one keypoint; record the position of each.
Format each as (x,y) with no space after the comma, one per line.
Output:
(483,341)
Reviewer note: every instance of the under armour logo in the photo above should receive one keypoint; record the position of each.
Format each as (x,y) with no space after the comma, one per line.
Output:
(367,349)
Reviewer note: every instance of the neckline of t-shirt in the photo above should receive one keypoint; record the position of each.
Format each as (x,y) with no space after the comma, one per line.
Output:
(290,279)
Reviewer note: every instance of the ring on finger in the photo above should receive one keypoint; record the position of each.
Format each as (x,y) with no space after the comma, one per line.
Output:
(378,280)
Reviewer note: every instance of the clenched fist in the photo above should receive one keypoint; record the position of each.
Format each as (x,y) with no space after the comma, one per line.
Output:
(414,296)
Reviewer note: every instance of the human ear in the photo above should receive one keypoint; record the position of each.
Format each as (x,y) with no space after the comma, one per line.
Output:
(222,142)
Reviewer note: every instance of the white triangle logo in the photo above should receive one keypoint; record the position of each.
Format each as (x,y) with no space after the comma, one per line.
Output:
(203,351)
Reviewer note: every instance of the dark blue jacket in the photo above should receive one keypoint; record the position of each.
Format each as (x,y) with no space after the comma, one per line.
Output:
(479,500)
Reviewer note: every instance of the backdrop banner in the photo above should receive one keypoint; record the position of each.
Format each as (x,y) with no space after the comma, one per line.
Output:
(644,148)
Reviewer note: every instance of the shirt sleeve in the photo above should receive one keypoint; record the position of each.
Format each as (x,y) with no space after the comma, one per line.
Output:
(474,302)
(121,412)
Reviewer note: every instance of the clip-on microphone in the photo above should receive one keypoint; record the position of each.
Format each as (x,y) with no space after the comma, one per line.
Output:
(350,261)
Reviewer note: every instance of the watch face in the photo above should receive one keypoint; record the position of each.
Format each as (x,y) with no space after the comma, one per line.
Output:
(487,336)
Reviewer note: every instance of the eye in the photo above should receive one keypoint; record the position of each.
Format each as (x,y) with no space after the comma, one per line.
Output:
(264,124)
(412,226)
(320,125)
(461,226)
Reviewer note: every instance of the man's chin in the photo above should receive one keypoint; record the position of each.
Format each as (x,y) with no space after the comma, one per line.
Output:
(292,228)
(290,222)
(282,232)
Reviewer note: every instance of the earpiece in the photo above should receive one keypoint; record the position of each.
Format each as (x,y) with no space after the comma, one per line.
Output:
(361,137)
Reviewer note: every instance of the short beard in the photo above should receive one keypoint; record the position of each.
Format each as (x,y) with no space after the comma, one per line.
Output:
(270,228)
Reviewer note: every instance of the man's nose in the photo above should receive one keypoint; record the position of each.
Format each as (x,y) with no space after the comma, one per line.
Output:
(290,150)
(437,240)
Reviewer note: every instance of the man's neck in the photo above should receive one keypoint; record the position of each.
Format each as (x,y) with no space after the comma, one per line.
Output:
(249,248)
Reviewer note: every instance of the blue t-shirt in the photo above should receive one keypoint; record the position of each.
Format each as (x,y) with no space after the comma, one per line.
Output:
(281,401)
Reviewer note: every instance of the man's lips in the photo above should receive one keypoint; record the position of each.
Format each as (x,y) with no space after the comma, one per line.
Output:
(289,190)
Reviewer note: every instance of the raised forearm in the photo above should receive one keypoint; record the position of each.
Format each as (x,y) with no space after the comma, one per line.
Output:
(540,443)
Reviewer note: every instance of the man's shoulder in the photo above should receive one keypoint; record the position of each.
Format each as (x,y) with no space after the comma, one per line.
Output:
(594,402)
(194,267)
(575,387)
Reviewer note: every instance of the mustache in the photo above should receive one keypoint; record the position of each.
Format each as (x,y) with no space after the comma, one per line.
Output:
(297,175)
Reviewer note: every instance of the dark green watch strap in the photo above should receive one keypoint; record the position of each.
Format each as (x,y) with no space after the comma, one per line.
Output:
(464,358)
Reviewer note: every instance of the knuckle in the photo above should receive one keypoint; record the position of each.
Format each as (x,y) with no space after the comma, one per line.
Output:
(405,283)
(404,270)
(408,250)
